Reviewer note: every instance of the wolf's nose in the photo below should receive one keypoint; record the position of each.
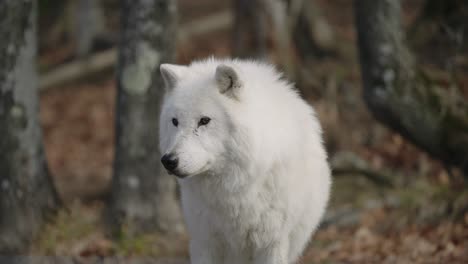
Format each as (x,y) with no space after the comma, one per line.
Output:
(169,162)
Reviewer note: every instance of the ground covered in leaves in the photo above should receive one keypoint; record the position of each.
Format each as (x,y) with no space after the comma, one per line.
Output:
(369,242)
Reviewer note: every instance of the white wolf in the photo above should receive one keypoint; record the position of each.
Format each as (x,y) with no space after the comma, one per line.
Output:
(248,152)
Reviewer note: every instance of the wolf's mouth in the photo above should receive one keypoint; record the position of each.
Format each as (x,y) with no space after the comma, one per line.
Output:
(180,175)
(177,174)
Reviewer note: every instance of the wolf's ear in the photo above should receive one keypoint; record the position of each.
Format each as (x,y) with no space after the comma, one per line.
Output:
(228,81)
(171,74)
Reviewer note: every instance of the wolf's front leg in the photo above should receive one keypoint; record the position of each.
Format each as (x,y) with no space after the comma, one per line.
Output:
(274,254)
(206,251)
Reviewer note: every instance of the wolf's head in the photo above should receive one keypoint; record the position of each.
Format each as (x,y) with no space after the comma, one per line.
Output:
(194,123)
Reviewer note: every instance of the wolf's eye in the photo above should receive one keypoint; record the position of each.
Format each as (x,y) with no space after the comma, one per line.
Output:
(175,122)
(204,121)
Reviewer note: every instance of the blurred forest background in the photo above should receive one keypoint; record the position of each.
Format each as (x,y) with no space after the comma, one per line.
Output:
(387,78)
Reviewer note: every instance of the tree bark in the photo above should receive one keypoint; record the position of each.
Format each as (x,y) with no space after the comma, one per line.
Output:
(312,33)
(26,191)
(399,96)
(143,195)
(278,13)
(250,29)
(88,24)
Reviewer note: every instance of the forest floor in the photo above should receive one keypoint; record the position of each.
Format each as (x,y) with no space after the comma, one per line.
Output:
(421,217)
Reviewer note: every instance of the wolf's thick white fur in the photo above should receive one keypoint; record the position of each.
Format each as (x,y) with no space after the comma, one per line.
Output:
(255,180)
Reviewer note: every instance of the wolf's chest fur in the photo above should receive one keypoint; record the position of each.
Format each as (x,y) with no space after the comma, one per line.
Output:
(250,216)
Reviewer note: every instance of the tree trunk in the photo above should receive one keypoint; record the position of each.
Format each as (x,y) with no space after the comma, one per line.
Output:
(143,195)
(250,29)
(278,13)
(88,24)
(399,96)
(312,33)
(26,191)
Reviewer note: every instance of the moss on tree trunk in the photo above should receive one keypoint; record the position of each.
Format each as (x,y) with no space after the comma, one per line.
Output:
(143,195)
(26,191)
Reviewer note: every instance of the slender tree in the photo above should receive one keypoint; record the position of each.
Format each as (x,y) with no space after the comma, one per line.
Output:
(26,191)
(277,11)
(397,93)
(143,195)
(250,29)
(312,33)
(88,22)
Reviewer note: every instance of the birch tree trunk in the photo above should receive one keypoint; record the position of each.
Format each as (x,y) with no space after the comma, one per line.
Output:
(143,195)
(399,96)
(26,191)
